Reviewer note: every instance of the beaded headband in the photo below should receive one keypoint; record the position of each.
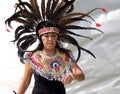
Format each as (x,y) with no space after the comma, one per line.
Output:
(48,30)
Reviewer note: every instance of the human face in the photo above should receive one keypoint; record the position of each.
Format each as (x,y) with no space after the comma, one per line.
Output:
(49,41)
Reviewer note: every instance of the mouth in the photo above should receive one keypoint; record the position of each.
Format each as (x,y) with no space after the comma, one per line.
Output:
(50,43)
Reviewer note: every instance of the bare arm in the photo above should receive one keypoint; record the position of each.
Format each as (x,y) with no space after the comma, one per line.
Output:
(76,74)
(26,79)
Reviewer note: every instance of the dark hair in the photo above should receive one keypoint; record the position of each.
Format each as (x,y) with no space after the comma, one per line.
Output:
(54,13)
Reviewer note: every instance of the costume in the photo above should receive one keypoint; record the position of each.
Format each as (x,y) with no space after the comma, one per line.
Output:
(49,70)
(43,86)
(37,18)
(52,67)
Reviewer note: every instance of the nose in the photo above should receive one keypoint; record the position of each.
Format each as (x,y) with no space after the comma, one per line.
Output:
(50,38)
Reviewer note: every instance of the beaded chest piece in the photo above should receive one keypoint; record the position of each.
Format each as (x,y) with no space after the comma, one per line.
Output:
(52,67)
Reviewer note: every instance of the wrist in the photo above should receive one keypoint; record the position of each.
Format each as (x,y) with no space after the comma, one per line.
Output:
(71,74)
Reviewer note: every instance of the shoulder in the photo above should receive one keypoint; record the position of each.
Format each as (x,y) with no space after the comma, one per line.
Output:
(30,54)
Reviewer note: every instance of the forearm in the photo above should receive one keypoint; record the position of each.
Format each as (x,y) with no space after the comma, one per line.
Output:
(79,76)
(23,87)
(77,72)
(26,79)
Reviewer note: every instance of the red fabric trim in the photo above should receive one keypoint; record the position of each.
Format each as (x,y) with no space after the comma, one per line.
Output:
(48,29)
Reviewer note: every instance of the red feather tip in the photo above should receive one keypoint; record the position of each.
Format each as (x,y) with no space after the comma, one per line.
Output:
(15,6)
(98,25)
(7,30)
(103,10)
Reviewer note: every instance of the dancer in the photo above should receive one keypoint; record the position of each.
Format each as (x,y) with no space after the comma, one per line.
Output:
(45,28)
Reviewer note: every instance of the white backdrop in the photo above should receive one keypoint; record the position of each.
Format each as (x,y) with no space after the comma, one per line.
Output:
(102,74)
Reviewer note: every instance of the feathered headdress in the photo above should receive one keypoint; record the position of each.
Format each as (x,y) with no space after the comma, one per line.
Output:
(56,13)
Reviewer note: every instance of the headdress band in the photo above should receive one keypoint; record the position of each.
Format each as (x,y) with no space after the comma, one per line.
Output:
(48,30)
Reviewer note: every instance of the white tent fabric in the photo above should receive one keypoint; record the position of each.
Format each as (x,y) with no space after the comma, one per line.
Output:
(102,74)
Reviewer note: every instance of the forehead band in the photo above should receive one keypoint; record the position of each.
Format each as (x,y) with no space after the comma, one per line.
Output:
(48,30)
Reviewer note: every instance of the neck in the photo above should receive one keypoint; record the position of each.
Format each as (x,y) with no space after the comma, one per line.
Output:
(49,52)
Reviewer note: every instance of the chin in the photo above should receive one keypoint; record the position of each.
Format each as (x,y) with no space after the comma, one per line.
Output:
(50,48)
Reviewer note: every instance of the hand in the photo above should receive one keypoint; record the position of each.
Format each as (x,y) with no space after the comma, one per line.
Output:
(67,79)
